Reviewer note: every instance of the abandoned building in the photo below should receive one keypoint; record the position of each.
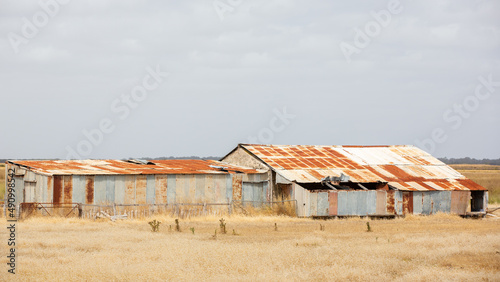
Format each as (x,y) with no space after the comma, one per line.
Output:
(359,180)
(133,182)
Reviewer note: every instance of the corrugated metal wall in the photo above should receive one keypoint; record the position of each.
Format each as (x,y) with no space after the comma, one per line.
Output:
(139,189)
(379,202)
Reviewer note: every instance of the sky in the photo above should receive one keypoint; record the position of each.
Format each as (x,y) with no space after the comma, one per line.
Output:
(118,79)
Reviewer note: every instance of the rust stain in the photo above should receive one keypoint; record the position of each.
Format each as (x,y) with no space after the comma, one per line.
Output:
(390,202)
(58,187)
(407,202)
(89,190)
(237,183)
(68,189)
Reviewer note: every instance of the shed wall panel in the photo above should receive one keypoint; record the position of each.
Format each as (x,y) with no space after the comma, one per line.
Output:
(161,189)
(141,183)
(120,189)
(371,202)
(100,182)
(237,182)
(192,188)
(58,190)
(50,189)
(171,189)
(333,202)
(110,189)
(342,203)
(459,202)
(417,202)
(150,189)
(323,204)
(381,202)
(199,194)
(78,189)
(229,187)
(89,190)
(129,189)
(313,201)
(68,188)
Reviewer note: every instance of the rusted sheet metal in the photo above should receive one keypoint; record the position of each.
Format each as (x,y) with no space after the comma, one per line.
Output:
(111,167)
(409,167)
(390,202)
(333,202)
(58,190)
(89,189)
(237,182)
(407,202)
(161,182)
(459,202)
(68,189)
(129,189)
(140,189)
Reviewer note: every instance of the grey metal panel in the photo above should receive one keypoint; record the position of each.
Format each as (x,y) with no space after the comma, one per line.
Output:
(361,202)
(78,189)
(313,200)
(186,196)
(441,201)
(426,202)
(418,202)
(43,184)
(150,189)
(248,192)
(323,204)
(265,191)
(110,189)
(171,189)
(38,193)
(120,189)
(229,187)
(371,202)
(351,203)
(100,189)
(342,203)
(19,188)
(199,194)
(398,205)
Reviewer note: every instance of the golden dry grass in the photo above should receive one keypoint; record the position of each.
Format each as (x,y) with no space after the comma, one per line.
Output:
(487,176)
(439,247)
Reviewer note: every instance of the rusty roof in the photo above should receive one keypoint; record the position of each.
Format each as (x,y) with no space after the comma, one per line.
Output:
(111,167)
(403,166)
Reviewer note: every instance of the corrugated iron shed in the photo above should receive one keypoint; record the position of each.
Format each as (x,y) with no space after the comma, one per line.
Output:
(117,167)
(404,167)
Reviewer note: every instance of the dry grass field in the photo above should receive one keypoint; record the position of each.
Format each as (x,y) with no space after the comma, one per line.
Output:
(487,176)
(440,247)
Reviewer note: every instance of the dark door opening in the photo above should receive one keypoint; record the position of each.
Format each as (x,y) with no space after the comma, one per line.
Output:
(477,201)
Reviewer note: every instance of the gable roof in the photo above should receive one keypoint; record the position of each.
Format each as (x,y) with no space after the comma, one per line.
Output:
(404,167)
(116,167)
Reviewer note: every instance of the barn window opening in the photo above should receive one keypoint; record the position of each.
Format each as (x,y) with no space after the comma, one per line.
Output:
(477,201)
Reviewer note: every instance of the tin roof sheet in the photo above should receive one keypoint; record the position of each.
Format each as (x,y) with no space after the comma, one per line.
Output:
(403,166)
(110,167)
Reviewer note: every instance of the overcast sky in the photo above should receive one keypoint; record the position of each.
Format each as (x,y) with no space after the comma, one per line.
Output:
(88,79)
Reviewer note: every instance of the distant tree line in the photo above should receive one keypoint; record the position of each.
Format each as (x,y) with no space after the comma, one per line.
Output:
(468,160)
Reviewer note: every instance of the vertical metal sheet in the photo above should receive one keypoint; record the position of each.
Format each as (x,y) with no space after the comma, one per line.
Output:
(50,189)
(417,202)
(371,202)
(129,189)
(247,194)
(78,189)
(441,201)
(390,202)
(39,188)
(332,199)
(342,203)
(323,204)
(58,189)
(199,194)
(150,189)
(398,201)
(19,186)
(459,202)
(161,182)
(171,183)
(426,203)
(237,182)
(43,181)
(180,187)
(192,188)
(120,189)
(209,188)
(351,203)
(299,197)
(381,202)
(110,189)
(265,191)
(68,188)
(361,202)
(89,189)
(408,202)
(229,187)
(313,201)
(100,182)
(140,189)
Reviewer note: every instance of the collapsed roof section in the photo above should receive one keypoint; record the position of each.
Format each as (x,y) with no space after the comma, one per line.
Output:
(403,167)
